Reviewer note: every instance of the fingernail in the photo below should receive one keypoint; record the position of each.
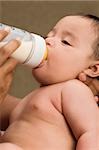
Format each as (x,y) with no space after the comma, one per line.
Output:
(7,29)
(18,39)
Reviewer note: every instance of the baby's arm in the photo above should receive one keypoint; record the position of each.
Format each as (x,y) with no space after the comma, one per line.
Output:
(82,114)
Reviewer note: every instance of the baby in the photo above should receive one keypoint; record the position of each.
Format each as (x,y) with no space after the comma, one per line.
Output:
(39,121)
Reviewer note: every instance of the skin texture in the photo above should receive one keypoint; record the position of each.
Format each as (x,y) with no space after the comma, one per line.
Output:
(68,56)
(40,115)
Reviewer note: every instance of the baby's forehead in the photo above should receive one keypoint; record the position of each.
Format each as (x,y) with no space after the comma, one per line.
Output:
(79,27)
(74,21)
(75,24)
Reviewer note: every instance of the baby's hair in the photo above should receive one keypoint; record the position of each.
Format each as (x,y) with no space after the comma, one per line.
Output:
(95,45)
(95,23)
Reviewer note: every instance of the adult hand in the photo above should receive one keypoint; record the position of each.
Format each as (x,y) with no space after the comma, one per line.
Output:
(7,64)
(93,83)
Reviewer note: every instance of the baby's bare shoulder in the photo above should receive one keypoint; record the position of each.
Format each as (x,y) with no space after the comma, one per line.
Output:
(76,85)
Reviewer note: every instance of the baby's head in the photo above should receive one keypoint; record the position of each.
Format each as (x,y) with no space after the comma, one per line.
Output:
(73,47)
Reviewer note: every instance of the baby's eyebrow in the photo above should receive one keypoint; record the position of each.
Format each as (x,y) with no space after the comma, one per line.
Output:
(53,30)
(70,34)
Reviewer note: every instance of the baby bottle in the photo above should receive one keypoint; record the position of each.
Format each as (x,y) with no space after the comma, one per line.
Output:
(32,50)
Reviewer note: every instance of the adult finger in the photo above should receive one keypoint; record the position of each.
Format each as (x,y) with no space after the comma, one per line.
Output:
(82,77)
(8,49)
(5,84)
(9,66)
(96,99)
(4,33)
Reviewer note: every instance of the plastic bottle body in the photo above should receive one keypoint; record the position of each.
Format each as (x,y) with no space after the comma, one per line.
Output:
(32,49)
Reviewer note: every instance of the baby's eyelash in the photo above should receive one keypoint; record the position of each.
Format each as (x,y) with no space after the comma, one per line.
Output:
(65,42)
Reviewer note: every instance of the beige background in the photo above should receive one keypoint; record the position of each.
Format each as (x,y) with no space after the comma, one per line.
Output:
(38,17)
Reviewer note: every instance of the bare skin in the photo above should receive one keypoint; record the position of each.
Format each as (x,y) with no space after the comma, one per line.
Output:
(39,116)
(13,102)
(45,119)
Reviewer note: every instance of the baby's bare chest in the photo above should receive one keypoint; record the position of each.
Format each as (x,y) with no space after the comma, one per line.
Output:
(37,119)
(42,103)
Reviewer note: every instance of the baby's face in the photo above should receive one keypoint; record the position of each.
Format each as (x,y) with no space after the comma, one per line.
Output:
(69,49)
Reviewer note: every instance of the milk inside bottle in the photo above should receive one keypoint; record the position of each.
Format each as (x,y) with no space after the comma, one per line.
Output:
(32,50)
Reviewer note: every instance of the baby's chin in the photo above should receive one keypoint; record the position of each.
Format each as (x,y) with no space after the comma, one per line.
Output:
(42,78)
(45,79)
(37,74)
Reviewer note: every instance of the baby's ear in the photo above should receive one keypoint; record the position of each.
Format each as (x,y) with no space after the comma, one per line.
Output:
(92,71)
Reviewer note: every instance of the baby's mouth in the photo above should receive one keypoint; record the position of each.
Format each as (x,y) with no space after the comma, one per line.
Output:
(41,64)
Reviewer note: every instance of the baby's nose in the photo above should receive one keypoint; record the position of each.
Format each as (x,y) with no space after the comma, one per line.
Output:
(50,41)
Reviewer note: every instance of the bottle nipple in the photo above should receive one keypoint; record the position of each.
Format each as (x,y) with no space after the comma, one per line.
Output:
(45,54)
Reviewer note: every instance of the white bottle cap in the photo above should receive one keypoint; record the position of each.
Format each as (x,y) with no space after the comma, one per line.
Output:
(38,51)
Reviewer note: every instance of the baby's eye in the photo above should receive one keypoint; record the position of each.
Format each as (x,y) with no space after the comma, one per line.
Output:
(65,42)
